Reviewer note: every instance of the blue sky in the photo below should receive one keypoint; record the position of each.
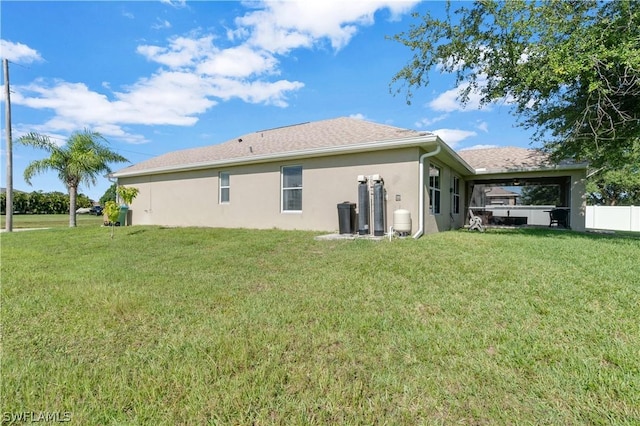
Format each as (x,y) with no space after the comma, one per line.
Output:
(158,76)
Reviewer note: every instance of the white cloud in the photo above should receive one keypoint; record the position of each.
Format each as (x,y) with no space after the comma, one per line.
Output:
(116,131)
(358,116)
(67,99)
(426,122)
(484,126)
(239,62)
(453,136)
(201,56)
(181,51)
(223,73)
(165,98)
(18,52)
(175,3)
(161,24)
(449,64)
(75,107)
(265,34)
(173,98)
(281,26)
(255,92)
(449,102)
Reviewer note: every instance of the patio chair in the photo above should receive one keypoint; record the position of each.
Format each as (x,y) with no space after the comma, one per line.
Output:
(559,217)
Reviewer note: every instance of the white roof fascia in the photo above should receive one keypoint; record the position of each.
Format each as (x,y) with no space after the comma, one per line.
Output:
(306,153)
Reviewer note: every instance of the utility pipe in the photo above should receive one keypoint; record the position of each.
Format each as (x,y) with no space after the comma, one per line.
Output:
(420,231)
(115,180)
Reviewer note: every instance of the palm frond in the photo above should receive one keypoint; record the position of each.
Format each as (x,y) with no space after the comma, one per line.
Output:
(40,166)
(37,140)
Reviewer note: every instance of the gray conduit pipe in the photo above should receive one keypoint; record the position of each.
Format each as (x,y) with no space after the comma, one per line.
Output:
(420,231)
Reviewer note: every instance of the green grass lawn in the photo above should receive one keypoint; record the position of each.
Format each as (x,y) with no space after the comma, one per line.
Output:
(217,326)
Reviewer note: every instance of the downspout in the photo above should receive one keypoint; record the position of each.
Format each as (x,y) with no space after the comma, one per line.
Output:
(109,178)
(420,231)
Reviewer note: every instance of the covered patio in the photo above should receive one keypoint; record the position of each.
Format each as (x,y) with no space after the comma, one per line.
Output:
(517,187)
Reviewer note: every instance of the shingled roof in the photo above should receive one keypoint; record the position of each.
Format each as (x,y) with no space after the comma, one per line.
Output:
(496,191)
(510,158)
(326,134)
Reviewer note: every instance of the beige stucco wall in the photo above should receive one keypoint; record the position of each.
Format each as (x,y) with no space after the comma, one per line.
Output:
(191,198)
(446,219)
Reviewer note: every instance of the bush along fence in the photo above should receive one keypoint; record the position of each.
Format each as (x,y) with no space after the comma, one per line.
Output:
(39,202)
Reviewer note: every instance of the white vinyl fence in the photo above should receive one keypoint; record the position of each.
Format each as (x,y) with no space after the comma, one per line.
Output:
(617,218)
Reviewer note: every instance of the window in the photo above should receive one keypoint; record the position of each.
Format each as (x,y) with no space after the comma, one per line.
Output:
(434,189)
(224,187)
(292,189)
(456,195)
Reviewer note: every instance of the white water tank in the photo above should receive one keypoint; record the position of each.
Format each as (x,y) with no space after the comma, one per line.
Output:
(402,221)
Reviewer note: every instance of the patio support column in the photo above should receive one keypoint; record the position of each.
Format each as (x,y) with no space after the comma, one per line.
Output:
(468,198)
(578,204)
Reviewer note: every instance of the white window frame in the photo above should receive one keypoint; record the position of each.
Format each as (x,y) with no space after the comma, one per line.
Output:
(435,193)
(222,187)
(455,198)
(292,188)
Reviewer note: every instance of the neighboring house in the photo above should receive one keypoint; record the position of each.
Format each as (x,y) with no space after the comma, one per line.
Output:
(498,196)
(294,177)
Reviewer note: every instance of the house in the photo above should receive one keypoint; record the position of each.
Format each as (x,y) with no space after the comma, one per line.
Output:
(294,177)
(498,196)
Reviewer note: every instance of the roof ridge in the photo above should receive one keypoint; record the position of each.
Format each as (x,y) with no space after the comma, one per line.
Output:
(282,127)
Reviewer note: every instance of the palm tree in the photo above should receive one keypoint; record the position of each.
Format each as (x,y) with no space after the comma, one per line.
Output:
(81,160)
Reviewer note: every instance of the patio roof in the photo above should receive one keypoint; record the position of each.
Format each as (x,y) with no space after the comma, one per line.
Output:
(512,159)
